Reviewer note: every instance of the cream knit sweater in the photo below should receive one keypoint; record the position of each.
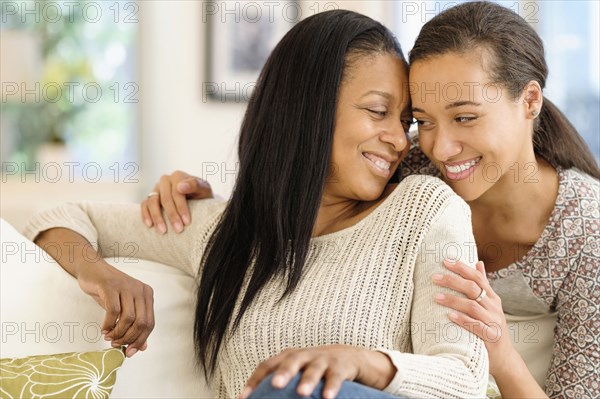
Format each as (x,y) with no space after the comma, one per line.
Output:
(368,285)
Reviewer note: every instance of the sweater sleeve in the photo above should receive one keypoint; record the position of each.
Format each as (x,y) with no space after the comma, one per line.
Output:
(117,230)
(448,362)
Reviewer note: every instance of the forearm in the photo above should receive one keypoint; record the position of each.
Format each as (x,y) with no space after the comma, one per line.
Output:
(129,317)
(70,249)
(515,380)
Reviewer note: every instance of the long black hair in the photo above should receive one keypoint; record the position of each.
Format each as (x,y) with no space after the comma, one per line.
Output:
(284,154)
(517,58)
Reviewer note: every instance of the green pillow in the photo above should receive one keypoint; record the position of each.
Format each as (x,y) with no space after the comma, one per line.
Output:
(67,375)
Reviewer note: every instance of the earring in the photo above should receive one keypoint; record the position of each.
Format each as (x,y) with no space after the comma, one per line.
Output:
(534,113)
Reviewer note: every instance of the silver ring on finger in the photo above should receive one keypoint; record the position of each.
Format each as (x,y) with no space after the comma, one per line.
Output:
(481,296)
(152,194)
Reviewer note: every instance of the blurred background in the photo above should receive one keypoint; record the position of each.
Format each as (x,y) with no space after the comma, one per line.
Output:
(99,98)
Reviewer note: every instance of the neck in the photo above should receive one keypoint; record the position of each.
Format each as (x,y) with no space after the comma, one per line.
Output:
(521,194)
(334,212)
(337,213)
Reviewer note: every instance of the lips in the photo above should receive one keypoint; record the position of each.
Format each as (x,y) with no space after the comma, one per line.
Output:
(461,170)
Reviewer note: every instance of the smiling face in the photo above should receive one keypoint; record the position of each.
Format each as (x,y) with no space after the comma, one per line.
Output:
(372,118)
(475,132)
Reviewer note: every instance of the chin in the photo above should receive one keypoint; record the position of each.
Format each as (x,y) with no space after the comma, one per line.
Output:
(468,192)
(370,192)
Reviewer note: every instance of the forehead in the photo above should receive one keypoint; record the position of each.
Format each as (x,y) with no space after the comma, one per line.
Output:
(452,77)
(380,72)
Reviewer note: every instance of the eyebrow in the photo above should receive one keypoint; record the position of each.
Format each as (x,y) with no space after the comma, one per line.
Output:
(380,93)
(453,105)
(461,103)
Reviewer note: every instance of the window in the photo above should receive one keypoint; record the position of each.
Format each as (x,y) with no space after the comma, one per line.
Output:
(68,84)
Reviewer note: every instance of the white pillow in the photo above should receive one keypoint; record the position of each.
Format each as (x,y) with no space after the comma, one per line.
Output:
(43,311)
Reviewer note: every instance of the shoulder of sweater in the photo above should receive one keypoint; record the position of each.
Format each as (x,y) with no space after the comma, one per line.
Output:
(430,194)
(206,210)
(435,188)
(207,205)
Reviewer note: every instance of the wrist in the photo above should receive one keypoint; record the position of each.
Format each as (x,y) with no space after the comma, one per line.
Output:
(510,366)
(515,380)
(95,267)
(376,369)
(84,263)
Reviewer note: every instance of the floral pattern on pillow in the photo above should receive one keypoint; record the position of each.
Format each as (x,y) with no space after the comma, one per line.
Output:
(89,375)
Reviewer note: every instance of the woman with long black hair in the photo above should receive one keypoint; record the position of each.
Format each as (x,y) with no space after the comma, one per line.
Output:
(316,264)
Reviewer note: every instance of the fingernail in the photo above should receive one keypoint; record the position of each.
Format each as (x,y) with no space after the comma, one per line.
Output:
(451,261)
(148,222)
(437,277)
(279,381)
(184,186)
(186,219)
(453,315)
(178,227)
(245,392)
(304,389)
(439,296)
(329,394)
(162,228)
(132,352)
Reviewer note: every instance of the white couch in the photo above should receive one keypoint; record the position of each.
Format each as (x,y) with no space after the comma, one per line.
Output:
(43,311)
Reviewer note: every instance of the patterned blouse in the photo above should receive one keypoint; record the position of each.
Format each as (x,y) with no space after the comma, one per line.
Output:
(561,275)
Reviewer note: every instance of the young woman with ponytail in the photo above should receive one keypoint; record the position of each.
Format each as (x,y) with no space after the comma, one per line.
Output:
(477,74)
(533,189)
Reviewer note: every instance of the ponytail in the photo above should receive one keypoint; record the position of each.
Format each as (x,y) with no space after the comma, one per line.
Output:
(557,141)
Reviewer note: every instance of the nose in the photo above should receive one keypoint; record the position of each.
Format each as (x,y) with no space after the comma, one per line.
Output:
(445,146)
(395,136)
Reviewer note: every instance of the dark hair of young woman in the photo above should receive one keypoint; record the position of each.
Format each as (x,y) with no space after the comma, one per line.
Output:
(517,57)
(284,153)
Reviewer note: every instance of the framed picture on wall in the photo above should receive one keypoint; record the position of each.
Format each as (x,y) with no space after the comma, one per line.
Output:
(240,36)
